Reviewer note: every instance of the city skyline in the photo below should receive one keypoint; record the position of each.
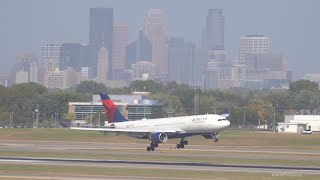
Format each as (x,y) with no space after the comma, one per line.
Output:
(287,33)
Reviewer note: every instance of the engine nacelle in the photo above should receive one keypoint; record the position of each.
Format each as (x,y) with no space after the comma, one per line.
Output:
(158,137)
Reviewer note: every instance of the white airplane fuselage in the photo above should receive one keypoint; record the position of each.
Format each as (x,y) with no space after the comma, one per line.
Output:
(198,124)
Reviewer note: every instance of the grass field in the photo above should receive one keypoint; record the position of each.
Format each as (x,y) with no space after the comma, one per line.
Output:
(70,171)
(228,139)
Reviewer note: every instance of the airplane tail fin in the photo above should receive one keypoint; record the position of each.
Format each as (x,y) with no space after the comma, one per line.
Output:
(112,112)
(225,113)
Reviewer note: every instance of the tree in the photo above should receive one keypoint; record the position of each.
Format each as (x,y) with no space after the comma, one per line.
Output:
(301,85)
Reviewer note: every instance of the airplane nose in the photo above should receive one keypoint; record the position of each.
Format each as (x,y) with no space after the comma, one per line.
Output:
(227,123)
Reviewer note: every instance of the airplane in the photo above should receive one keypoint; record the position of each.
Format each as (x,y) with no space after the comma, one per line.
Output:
(161,129)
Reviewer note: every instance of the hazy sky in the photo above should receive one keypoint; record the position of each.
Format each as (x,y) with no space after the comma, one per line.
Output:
(292,25)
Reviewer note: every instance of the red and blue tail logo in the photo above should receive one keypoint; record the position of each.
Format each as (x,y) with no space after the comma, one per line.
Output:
(112,112)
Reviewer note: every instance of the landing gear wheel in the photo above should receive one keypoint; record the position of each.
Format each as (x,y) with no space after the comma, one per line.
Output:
(185,142)
(148,148)
(156,145)
(215,140)
(152,148)
(178,146)
(181,146)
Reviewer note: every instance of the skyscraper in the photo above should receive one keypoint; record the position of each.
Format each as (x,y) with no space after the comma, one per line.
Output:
(212,35)
(253,44)
(131,54)
(103,65)
(183,62)
(215,29)
(155,31)
(73,55)
(120,42)
(100,32)
(144,47)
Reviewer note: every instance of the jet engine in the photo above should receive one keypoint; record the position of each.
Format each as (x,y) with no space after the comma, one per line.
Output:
(158,137)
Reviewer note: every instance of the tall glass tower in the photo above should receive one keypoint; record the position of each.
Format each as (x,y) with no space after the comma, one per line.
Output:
(100,34)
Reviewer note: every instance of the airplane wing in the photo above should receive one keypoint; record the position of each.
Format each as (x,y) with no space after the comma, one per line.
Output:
(129,130)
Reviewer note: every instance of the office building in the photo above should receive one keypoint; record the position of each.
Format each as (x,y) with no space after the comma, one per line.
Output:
(73,55)
(253,44)
(100,34)
(103,65)
(26,68)
(212,35)
(50,51)
(271,61)
(183,62)
(155,31)
(131,54)
(120,42)
(143,70)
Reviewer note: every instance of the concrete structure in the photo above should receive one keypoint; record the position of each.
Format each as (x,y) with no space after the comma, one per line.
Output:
(51,51)
(120,42)
(313,121)
(155,31)
(220,75)
(253,44)
(292,127)
(143,69)
(51,64)
(100,34)
(26,68)
(22,77)
(62,79)
(54,79)
(33,76)
(103,65)
(271,61)
(184,59)
(4,81)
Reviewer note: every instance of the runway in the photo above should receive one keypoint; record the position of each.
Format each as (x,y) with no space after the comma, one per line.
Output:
(139,149)
(204,158)
(159,164)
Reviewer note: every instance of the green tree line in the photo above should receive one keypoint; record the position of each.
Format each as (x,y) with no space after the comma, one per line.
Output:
(19,102)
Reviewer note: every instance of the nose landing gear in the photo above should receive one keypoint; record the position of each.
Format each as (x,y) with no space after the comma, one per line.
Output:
(215,137)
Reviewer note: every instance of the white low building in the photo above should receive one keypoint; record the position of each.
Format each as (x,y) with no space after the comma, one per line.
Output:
(292,127)
(313,121)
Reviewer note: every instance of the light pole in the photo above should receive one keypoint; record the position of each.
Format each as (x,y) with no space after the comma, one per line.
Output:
(37,115)
(274,118)
(11,119)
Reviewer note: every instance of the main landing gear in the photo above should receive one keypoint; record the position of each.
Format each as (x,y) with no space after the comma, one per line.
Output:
(215,137)
(182,144)
(152,146)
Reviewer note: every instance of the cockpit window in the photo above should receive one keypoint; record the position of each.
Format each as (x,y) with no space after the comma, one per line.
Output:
(221,119)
